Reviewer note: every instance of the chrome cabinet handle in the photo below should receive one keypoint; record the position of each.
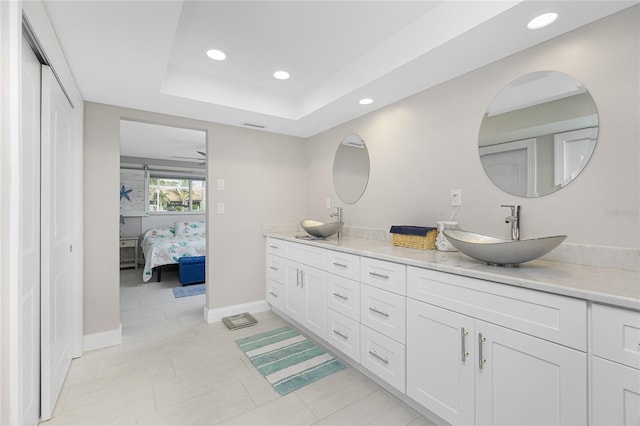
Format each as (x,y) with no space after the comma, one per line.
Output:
(273,247)
(481,359)
(273,294)
(342,265)
(377,275)
(384,314)
(340,296)
(463,334)
(344,336)
(273,267)
(297,277)
(375,355)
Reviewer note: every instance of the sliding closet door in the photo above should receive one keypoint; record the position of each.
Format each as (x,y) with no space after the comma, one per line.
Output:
(56,281)
(30,239)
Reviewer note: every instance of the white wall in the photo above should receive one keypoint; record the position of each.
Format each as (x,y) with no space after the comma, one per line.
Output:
(264,183)
(425,145)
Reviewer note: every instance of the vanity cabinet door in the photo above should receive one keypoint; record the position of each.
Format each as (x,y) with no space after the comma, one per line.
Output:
(615,394)
(441,361)
(469,371)
(295,287)
(294,294)
(521,379)
(314,286)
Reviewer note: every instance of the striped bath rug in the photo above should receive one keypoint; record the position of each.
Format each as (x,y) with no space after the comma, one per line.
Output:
(287,359)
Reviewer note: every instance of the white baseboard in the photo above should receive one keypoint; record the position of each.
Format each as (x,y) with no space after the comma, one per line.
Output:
(104,339)
(215,315)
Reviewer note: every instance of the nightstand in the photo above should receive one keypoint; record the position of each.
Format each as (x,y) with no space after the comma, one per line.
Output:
(129,242)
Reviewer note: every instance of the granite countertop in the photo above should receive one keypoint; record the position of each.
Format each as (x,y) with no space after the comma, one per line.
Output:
(606,285)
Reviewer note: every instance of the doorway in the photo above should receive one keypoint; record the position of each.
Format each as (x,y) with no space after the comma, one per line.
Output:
(166,166)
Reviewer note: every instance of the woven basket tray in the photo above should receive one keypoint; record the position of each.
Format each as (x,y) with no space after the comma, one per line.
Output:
(427,242)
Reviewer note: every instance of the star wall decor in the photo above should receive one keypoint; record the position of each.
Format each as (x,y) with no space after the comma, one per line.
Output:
(124,193)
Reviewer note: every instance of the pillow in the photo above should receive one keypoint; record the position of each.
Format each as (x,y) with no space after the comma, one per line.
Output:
(187,229)
(160,233)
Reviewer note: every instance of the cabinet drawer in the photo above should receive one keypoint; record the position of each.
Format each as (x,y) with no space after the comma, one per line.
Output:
(551,317)
(276,270)
(384,312)
(307,255)
(275,294)
(129,242)
(616,334)
(344,334)
(385,275)
(383,356)
(344,296)
(275,246)
(343,264)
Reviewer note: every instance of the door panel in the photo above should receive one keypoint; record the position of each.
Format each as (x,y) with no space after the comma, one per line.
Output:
(528,381)
(616,394)
(294,299)
(56,276)
(30,237)
(438,375)
(314,285)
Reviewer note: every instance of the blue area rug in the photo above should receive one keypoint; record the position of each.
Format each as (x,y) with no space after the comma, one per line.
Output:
(190,290)
(287,359)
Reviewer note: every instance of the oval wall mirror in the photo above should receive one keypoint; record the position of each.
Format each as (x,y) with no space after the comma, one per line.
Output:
(538,134)
(351,169)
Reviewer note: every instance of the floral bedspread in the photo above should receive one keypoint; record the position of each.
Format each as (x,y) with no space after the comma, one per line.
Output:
(163,247)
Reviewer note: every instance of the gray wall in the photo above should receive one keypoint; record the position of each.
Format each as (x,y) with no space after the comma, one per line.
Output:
(264,183)
(425,145)
(420,148)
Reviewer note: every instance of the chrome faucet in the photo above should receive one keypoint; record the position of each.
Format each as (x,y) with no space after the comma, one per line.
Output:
(514,220)
(337,214)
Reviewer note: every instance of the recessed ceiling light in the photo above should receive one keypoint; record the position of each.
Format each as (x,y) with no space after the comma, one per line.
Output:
(365,101)
(281,75)
(542,20)
(216,54)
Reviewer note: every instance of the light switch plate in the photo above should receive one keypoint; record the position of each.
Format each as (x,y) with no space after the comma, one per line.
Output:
(456,197)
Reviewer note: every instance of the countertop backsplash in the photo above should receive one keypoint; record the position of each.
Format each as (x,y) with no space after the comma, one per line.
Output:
(627,259)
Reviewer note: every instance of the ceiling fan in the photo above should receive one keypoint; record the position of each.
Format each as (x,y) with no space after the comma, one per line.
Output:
(203,158)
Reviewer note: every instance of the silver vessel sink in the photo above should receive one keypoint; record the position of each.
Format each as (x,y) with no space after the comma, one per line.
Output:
(497,251)
(321,229)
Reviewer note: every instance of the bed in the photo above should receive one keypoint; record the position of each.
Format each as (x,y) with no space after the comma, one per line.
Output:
(165,246)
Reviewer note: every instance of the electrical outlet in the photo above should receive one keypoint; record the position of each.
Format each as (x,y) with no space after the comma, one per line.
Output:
(220,184)
(456,197)
(327,203)
(220,208)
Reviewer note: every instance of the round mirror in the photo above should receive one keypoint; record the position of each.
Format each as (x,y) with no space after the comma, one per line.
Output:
(351,169)
(538,134)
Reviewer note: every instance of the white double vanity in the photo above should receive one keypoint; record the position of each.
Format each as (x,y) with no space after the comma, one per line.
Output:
(546,343)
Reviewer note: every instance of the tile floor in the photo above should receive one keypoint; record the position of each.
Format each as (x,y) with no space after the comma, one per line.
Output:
(174,369)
